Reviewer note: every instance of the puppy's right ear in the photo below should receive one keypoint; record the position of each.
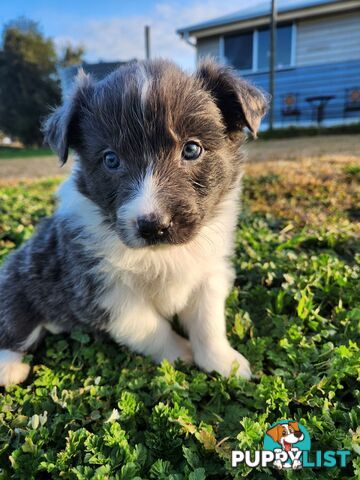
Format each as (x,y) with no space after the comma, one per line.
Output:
(275,433)
(240,103)
(61,127)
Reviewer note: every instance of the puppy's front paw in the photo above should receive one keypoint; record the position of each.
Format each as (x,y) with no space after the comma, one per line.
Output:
(12,369)
(179,347)
(224,360)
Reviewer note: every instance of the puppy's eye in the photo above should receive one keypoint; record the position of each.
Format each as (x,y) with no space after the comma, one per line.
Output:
(111,161)
(191,151)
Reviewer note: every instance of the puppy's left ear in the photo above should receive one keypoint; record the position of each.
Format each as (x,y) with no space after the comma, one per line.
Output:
(61,128)
(241,104)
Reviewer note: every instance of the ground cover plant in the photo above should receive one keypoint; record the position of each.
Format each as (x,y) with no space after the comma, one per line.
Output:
(92,410)
(11,152)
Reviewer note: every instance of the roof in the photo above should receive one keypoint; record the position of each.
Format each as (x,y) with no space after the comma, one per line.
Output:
(97,70)
(254,13)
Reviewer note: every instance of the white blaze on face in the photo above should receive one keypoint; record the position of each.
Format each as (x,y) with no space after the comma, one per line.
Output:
(143,202)
(144,83)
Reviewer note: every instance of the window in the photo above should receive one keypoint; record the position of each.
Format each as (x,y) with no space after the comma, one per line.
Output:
(263,49)
(283,47)
(239,49)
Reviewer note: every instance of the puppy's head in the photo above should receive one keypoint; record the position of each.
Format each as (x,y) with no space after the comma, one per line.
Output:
(158,149)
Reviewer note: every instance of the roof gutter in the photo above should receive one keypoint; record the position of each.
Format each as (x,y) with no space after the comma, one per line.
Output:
(186,37)
(205,30)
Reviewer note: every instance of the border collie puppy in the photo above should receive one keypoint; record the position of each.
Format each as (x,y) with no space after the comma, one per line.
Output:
(144,227)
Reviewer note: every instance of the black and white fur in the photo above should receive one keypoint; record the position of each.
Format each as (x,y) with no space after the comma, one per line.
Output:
(88,265)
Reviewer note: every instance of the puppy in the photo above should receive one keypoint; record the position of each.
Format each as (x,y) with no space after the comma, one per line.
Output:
(144,227)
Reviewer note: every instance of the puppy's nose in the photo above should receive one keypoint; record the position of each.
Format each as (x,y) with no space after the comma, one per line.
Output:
(298,434)
(151,227)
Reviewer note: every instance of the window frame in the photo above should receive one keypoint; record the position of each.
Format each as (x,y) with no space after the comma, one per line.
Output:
(255,68)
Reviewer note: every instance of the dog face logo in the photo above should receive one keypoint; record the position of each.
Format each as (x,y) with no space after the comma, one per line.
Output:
(286,434)
(287,439)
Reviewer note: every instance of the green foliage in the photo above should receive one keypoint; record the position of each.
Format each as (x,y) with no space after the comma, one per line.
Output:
(93,410)
(23,37)
(28,80)
(13,152)
(21,207)
(71,55)
(353,172)
(293,131)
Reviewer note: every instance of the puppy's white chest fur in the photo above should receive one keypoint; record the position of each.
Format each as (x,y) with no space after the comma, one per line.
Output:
(165,287)
(162,276)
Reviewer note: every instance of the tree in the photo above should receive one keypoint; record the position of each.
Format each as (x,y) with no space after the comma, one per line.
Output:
(28,80)
(71,55)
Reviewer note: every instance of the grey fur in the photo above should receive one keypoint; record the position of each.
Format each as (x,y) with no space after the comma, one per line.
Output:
(49,278)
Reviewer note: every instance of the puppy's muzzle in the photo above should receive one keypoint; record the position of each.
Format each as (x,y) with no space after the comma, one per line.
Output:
(153,229)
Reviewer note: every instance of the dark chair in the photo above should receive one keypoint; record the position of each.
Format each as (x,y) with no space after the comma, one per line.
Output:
(352,100)
(290,106)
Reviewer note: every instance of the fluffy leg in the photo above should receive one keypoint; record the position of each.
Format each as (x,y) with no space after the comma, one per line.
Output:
(204,319)
(143,330)
(12,369)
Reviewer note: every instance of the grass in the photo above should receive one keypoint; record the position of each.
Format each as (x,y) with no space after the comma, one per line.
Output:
(12,152)
(353,172)
(93,410)
(308,193)
(295,131)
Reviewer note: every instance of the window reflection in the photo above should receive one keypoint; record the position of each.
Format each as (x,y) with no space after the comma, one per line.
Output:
(238,49)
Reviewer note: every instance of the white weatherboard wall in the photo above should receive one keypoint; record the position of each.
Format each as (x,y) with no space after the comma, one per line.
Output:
(328,40)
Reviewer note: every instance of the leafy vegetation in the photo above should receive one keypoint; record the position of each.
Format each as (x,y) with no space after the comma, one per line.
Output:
(314,131)
(93,410)
(29,78)
(12,152)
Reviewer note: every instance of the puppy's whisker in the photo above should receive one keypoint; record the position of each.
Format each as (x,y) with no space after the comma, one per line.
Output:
(198,184)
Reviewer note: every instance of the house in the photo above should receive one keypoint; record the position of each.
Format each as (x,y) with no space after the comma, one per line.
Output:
(317,55)
(96,70)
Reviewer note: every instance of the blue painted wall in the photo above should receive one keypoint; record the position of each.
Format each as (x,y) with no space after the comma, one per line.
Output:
(307,81)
